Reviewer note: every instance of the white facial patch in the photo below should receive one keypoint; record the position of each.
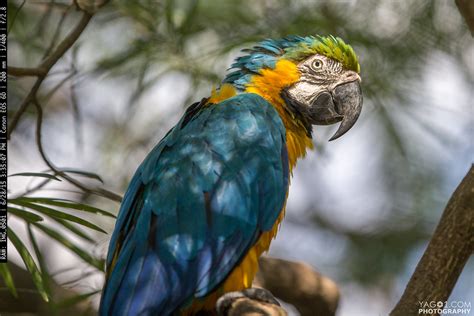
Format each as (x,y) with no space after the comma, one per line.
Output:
(318,73)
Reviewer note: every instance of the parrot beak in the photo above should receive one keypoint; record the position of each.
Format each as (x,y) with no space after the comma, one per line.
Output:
(348,99)
(343,105)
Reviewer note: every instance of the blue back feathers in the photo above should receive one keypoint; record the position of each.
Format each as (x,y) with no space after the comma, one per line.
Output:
(196,205)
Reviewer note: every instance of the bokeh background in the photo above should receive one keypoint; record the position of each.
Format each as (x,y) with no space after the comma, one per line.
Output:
(361,209)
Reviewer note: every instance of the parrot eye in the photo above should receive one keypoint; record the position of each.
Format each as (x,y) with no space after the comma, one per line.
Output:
(317,64)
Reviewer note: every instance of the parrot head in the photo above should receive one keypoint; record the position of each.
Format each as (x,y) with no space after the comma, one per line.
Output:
(320,87)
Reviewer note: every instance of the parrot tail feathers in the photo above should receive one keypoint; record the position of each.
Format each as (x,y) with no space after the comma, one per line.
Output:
(148,289)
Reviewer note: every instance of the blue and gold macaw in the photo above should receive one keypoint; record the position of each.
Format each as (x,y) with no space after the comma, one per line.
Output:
(209,198)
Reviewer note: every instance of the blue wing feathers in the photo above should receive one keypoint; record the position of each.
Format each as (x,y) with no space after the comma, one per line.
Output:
(195,206)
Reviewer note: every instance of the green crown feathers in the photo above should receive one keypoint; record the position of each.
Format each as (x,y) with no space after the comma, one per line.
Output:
(330,46)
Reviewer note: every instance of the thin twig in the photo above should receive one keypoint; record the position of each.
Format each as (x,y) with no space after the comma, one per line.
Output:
(30,188)
(24,105)
(37,187)
(39,143)
(99,191)
(55,89)
(75,103)
(57,32)
(44,20)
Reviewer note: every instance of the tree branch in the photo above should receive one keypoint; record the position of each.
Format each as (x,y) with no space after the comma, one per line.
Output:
(448,251)
(298,284)
(24,72)
(466,8)
(248,307)
(42,70)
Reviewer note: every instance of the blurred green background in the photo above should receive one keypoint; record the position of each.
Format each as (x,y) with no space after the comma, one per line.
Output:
(361,209)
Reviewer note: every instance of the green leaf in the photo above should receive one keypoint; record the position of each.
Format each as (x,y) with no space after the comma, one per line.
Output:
(30,264)
(66,204)
(84,255)
(35,174)
(33,218)
(27,216)
(84,174)
(42,263)
(72,228)
(7,278)
(56,214)
(76,299)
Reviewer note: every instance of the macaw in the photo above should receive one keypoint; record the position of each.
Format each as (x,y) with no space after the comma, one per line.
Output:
(209,198)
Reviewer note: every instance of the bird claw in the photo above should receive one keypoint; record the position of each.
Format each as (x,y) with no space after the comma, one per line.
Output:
(225,301)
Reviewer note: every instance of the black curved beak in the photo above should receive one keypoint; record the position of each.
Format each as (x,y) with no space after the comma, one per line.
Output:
(343,105)
(348,99)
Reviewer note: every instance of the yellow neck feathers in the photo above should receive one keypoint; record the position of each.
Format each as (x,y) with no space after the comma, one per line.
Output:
(225,92)
(269,84)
